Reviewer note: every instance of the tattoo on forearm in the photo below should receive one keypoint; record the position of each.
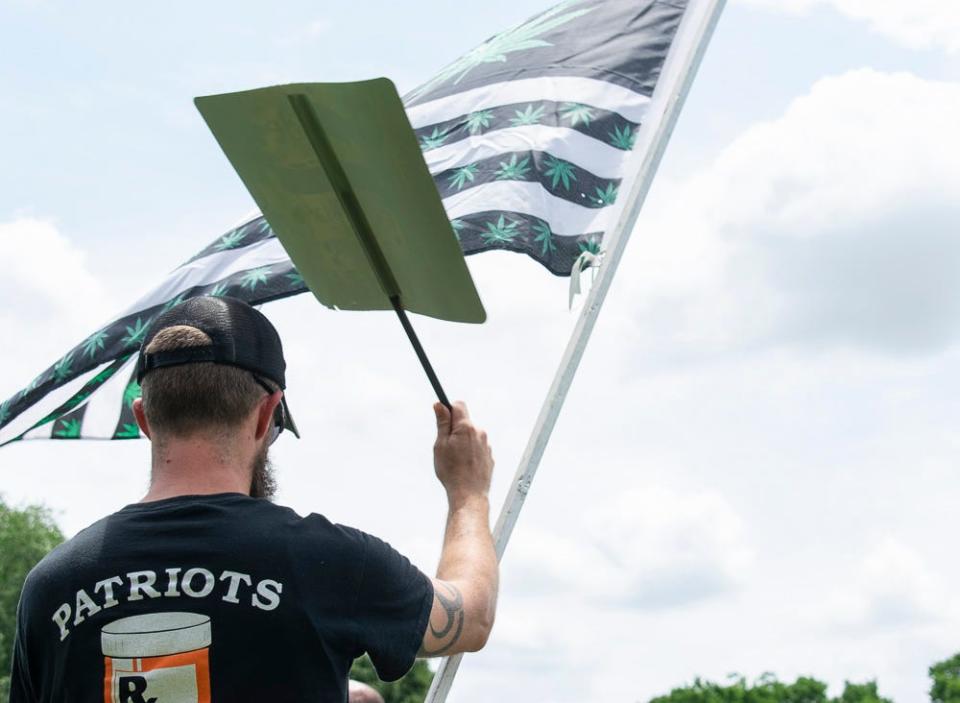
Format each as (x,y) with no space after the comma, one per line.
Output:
(451,600)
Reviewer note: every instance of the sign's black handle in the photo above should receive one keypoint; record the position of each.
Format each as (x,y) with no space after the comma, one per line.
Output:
(422,355)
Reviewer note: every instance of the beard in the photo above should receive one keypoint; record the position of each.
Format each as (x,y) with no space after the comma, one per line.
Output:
(263,483)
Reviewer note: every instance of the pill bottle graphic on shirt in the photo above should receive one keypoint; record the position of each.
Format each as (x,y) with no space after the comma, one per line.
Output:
(157,658)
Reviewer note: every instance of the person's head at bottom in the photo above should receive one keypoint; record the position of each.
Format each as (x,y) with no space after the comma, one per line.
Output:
(212,375)
(362,693)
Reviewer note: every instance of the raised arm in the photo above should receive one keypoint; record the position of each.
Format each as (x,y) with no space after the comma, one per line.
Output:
(465,588)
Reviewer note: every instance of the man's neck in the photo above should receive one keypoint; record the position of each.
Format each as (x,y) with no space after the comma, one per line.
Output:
(195,467)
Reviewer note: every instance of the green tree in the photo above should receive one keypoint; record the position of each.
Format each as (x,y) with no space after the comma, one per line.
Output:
(767,689)
(804,690)
(26,535)
(411,688)
(946,680)
(861,693)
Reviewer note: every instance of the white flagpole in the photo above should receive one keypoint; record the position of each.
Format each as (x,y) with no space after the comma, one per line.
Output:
(679,69)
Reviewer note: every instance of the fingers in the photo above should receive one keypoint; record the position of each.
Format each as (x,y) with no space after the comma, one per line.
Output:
(460,414)
(443,418)
(458,417)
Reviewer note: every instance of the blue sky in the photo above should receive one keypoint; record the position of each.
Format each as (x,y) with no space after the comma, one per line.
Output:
(756,468)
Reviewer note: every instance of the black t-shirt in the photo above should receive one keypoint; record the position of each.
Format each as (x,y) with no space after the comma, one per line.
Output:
(214,598)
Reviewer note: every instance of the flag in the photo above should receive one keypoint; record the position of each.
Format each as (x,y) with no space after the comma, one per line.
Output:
(529,138)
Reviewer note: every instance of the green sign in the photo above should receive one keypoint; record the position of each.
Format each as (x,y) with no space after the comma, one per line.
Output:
(338,174)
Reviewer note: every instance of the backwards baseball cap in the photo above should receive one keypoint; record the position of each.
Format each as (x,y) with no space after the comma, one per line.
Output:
(241,336)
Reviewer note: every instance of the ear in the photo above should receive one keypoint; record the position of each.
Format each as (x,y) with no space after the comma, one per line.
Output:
(141,417)
(265,414)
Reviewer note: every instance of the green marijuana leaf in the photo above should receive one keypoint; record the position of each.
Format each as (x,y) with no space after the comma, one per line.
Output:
(230,240)
(135,333)
(94,342)
(499,232)
(513,171)
(218,291)
(528,116)
(173,303)
(545,236)
(62,368)
(559,171)
(623,139)
(129,431)
(462,175)
(131,393)
(606,197)
(69,429)
(478,120)
(592,245)
(575,112)
(433,141)
(295,278)
(254,277)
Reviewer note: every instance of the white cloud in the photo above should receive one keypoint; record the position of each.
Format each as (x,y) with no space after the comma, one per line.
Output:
(833,224)
(918,24)
(664,548)
(46,269)
(644,548)
(52,296)
(892,588)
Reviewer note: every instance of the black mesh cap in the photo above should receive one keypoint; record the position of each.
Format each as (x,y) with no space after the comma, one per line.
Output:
(242,336)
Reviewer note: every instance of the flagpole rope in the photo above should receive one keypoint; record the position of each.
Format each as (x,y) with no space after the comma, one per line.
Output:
(671,91)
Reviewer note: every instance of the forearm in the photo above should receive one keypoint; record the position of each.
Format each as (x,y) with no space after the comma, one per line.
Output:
(469,562)
(468,553)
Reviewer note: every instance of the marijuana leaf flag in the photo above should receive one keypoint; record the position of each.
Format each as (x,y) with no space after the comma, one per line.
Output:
(529,138)
(530,135)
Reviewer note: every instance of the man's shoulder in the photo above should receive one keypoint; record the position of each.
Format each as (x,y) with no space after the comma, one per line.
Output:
(83,545)
(315,535)
(63,559)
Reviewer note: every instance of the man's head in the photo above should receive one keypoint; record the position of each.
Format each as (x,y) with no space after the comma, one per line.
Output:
(212,371)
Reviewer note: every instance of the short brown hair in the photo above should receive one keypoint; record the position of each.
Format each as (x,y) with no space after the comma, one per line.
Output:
(198,397)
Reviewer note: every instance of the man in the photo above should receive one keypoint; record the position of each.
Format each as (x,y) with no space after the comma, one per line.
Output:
(207,591)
